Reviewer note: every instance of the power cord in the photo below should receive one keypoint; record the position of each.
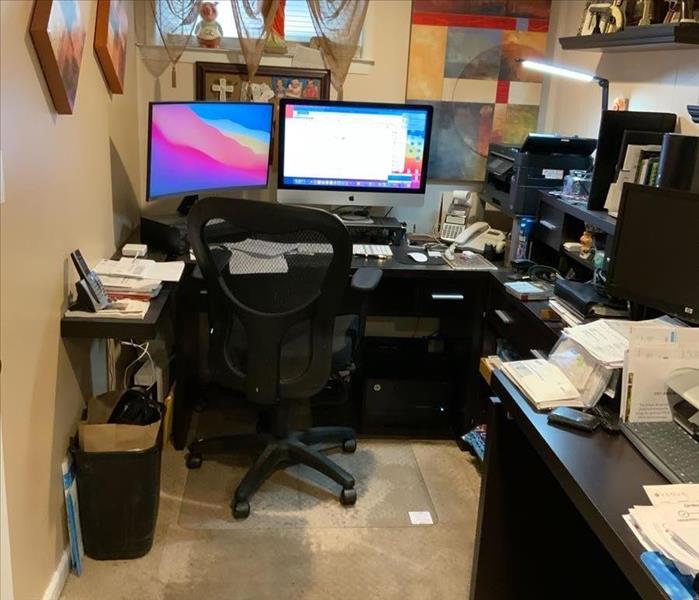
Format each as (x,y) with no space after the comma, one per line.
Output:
(144,352)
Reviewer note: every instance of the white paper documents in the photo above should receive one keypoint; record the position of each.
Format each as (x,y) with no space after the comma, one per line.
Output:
(654,354)
(670,525)
(544,384)
(140,268)
(124,309)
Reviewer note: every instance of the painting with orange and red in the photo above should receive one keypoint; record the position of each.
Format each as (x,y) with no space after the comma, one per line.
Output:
(464,61)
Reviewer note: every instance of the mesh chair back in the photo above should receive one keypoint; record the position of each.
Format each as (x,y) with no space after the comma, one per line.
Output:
(276,276)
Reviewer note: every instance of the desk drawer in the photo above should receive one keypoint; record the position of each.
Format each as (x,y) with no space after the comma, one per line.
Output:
(549,229)
(509,319)
(444,298)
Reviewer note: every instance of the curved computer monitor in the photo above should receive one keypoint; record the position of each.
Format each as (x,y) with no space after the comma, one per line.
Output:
(196,147)
(353,153)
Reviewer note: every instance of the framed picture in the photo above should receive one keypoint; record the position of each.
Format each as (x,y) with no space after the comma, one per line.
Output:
(58,34)
(111,31)
(222,81)
(230,82)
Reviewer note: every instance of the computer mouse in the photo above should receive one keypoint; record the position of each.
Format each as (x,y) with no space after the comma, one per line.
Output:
(418,256)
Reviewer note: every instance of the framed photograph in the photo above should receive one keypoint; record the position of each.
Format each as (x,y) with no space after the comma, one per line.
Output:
(58,34)
(229,82)
(111,31)
(223,81)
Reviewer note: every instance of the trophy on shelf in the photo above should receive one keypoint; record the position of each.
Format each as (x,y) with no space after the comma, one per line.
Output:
(602,17)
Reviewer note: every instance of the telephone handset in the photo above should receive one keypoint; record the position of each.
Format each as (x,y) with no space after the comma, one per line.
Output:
(91,294)
(477,236)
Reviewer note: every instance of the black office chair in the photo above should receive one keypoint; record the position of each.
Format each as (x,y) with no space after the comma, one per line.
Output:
(275,275)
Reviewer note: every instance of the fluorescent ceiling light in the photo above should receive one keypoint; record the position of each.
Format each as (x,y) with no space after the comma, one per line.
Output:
(560,71)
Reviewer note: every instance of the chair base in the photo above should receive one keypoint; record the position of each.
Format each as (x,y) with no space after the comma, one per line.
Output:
(295,448)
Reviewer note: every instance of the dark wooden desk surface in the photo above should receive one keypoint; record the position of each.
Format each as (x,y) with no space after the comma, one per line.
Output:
(602,474)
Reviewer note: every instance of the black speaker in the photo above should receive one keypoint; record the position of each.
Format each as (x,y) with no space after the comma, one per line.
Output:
(679,162)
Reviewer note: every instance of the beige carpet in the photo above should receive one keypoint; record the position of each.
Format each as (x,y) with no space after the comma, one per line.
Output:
(306,563)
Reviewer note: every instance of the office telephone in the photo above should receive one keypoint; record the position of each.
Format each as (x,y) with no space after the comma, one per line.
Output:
(477,236)
(456,219)
(91,294)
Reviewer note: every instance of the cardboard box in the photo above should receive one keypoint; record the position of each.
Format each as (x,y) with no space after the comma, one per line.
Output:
(96,435)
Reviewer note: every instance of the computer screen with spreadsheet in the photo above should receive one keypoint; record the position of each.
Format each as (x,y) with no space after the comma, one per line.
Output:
(353,147)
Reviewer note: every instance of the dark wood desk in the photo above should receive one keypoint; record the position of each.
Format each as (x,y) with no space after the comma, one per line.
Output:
(550,515)
(457,298)
(137,329)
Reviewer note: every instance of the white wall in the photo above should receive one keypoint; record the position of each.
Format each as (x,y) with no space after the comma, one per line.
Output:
(658,80)
(69,183)
(6,587)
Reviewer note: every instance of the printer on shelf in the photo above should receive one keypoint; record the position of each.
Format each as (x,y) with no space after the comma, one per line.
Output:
(514,174)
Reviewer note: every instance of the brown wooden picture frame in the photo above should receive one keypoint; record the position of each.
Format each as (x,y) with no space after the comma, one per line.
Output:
(111,42)
(58,33)
(204,71)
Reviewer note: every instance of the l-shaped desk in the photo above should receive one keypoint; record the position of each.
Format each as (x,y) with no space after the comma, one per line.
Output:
(550,515)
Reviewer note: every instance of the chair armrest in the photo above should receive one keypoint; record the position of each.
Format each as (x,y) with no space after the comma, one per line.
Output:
(366,279)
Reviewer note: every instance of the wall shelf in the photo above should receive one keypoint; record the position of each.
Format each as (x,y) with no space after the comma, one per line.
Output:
(585,262)
(599,219)
(675,36)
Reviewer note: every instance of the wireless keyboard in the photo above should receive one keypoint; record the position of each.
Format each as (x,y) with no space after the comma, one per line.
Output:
(373,250)
(668,447)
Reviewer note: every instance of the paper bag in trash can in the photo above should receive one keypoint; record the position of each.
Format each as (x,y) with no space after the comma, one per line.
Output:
(96,435)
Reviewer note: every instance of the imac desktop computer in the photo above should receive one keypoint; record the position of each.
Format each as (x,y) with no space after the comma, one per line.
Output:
(353,153)
(202,147)
(656,250)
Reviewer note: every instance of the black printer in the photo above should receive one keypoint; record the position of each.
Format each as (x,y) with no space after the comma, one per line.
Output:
(515,174)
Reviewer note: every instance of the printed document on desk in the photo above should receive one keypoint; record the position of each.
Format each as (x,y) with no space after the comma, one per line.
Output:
(654,353)
(141,268)
(544,384)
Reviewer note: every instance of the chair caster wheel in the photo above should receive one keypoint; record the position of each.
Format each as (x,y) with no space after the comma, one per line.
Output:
(349,446)
(194,460)
(348,497)
(241,509)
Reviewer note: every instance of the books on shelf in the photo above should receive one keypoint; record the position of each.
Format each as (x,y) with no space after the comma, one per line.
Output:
(641,164)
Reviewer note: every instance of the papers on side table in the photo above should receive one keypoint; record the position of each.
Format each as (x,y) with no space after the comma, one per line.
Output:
(141,268)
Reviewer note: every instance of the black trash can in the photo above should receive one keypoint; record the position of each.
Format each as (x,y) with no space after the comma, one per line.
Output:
(118,496)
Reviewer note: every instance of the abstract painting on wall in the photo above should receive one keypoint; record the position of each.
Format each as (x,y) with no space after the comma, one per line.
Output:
(58,34)
(111,36)
(464,61)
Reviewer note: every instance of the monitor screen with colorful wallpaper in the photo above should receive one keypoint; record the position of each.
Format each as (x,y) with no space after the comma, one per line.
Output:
(207,146)
(353,147)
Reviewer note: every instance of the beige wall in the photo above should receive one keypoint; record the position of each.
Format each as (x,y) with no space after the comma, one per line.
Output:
(657,80)
(65,178)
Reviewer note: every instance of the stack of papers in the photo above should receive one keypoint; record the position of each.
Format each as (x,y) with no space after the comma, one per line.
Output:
(654,354)
(125,309)
(570,377)
(140,268)
(603,342)
(120,288)
(608,339)
(543,383)
(671,525)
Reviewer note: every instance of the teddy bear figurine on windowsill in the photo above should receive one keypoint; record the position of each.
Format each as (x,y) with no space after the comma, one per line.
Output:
(208,31)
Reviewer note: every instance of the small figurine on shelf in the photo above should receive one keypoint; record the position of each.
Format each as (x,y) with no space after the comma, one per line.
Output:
(208,31)
(586,244)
